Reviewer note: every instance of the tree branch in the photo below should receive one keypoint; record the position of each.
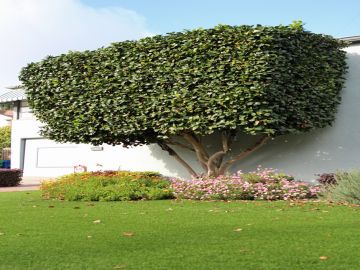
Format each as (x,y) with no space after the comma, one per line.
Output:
(214,157)
(244,154)
(200,150)
(180,144)
(193,140)
(225,138)
(215,160)
(172,153)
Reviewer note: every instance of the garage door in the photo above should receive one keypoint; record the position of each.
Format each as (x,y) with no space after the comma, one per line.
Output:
(47,158)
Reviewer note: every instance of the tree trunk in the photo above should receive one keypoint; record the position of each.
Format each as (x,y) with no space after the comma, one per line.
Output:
(215,164)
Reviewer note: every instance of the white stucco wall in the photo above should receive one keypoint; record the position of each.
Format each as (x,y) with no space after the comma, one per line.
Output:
(326,150)
(5,121)
(111,158)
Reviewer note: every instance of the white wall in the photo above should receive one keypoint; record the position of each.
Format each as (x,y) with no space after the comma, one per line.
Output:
(111,158)
(5,120)
(324,150)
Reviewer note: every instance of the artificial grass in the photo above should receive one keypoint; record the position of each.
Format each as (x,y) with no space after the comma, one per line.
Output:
(43,234)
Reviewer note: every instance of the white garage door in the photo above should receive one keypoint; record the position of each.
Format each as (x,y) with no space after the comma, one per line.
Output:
(47,158)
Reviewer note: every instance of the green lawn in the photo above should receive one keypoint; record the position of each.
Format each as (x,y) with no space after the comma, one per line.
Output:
(45,235)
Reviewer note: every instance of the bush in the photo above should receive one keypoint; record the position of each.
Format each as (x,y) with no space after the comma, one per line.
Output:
(346,189)
(263,184)
(10,177)
(5,137)
(326,179)
(108,186)
(264,176)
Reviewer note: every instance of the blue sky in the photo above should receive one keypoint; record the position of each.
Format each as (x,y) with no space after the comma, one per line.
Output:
(339,18)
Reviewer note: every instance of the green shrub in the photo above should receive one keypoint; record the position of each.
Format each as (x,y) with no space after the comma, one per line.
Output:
(10,177)
(5,137)
(108,186)
(346,189)
(265,175)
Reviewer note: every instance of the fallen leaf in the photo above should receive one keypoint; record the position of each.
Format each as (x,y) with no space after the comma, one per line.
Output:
(169,209)
(1,233)
(89,236)
(51,206)
(237,230)
(120,266)
(323,257)
(97,221)
(128,234)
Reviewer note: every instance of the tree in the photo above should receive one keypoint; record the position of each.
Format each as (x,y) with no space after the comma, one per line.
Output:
(5,137)
(177,88)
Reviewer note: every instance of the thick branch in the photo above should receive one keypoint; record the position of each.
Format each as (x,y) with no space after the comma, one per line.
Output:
(215,160)
(180,144)
(200,150)
(226,140)
(172,153)
(244,154)
(193,140)
(215,157)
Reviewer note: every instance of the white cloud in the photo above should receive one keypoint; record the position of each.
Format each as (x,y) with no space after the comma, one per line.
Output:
(33,29)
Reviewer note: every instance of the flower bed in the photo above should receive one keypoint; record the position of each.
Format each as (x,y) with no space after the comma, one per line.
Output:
(263,184)
(108,186)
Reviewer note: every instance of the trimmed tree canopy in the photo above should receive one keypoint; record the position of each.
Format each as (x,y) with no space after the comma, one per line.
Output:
(256,79)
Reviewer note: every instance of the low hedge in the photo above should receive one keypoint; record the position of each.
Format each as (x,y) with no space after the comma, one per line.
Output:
(10,177)
(108,186)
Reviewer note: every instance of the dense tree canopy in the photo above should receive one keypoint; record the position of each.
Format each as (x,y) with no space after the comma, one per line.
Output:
(176,88)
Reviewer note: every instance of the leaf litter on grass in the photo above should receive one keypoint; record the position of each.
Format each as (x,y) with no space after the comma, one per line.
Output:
(128,234)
